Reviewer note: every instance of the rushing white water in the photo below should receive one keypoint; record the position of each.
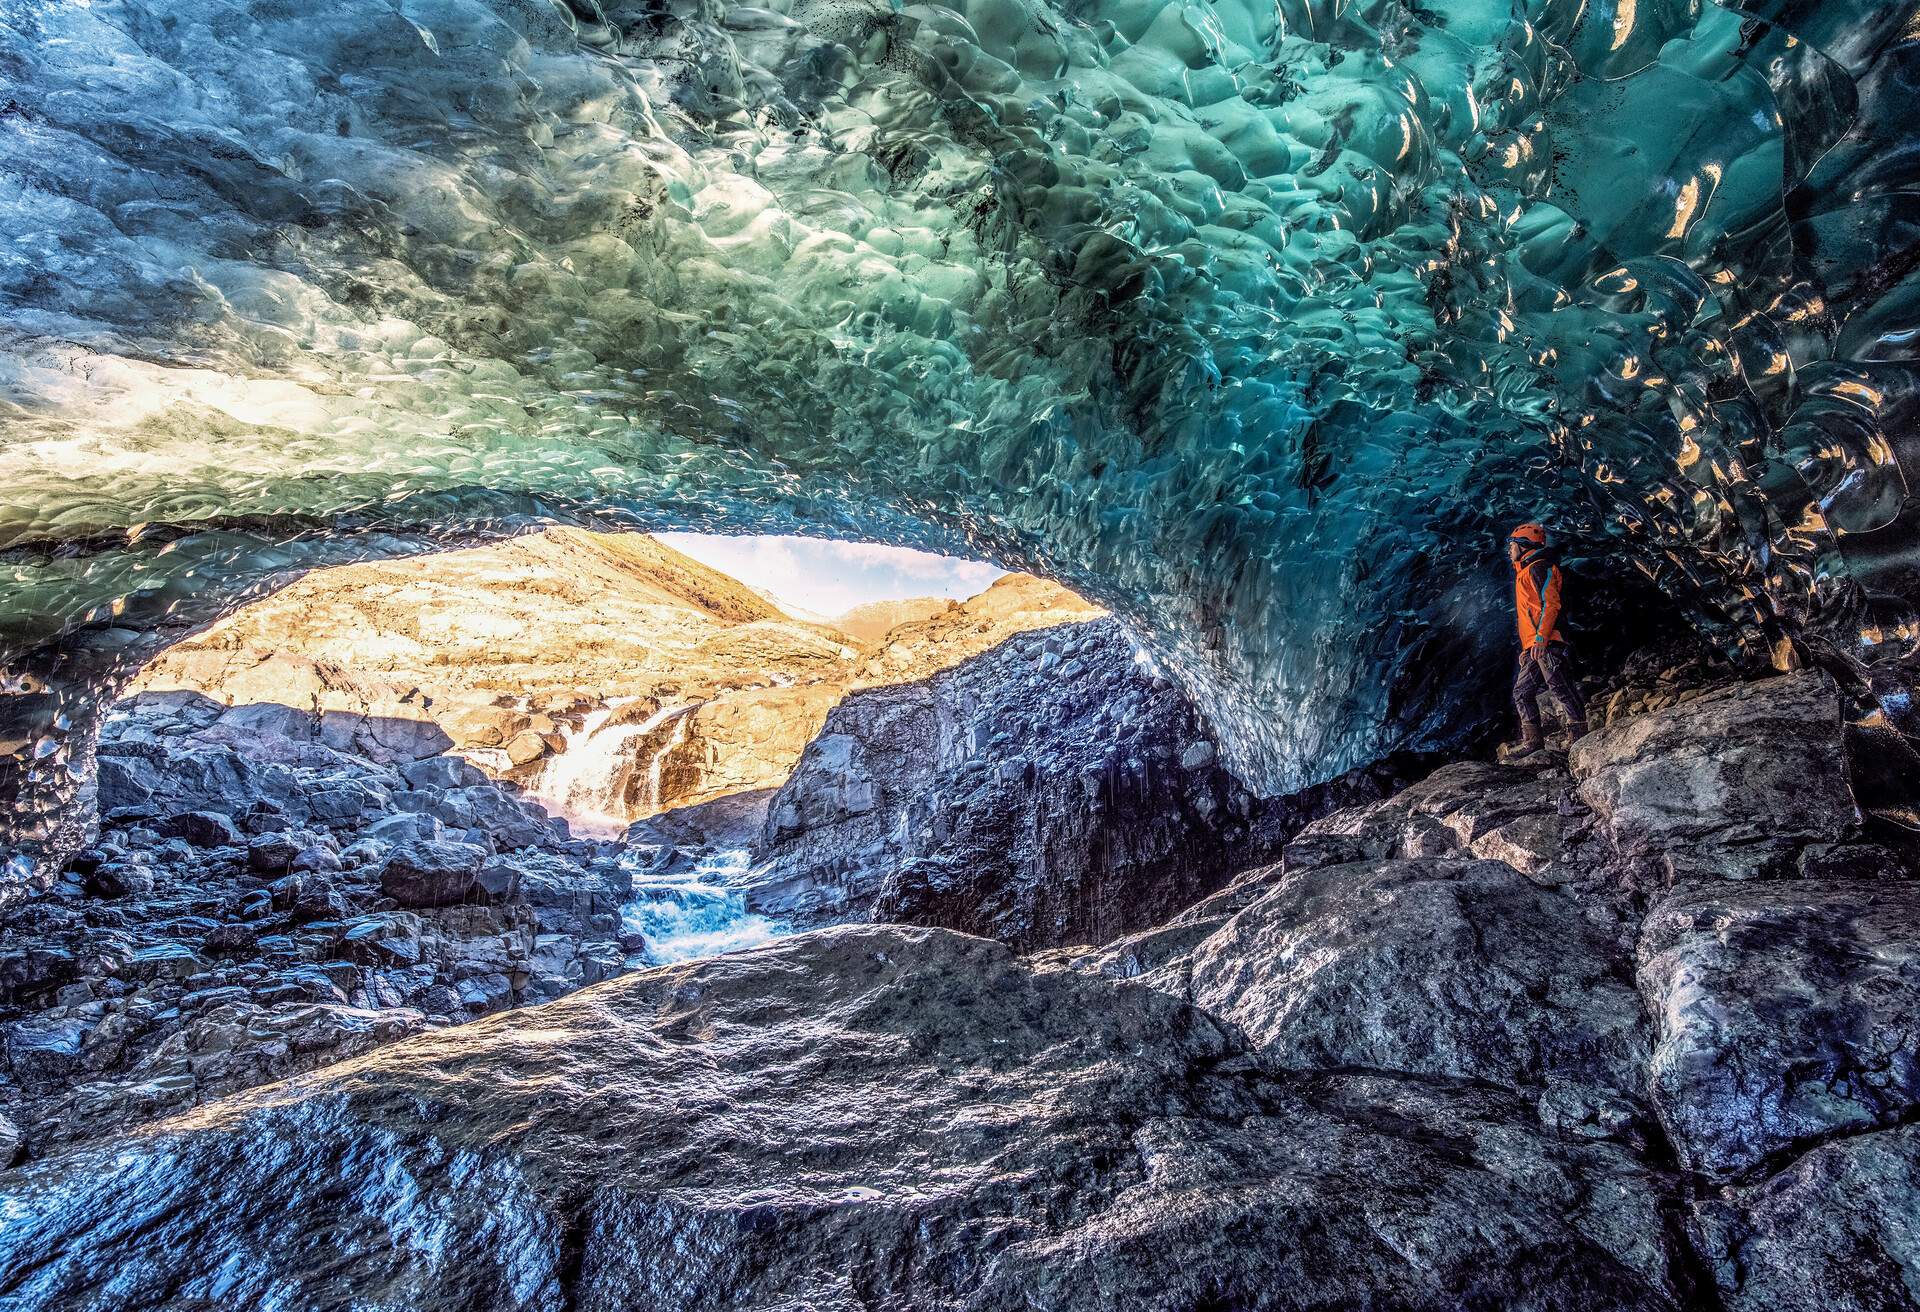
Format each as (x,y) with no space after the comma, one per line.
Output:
(697,912)
(583,782)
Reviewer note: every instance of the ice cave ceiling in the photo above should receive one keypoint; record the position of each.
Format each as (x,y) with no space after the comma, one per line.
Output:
(1258,322)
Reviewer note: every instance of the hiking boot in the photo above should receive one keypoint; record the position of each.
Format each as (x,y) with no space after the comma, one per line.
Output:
(1531,743)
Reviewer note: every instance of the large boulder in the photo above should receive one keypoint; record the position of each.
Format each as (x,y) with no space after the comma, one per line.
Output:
(1432,966)
(442,772)
(1045,793)
(431,872)
(1836,1231)
(1785,1013)
(167,778)
(865,1117)
(199,828)
(1729,785)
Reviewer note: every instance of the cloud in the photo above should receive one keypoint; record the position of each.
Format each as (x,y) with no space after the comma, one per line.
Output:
(828,578)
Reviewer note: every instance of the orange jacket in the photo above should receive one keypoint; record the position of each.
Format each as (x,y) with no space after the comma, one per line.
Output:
(1536,597)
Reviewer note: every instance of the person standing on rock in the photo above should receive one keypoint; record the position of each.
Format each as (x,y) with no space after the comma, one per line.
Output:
(1537,578)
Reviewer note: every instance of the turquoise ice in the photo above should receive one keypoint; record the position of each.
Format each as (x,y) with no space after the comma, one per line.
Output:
(1257,322)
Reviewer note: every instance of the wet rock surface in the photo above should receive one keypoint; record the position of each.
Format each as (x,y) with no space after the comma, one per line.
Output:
(1051,791)
(1518,925)
(260,903)
(1835,1230)
(1785,1013)
(858,1117)
(1432,966)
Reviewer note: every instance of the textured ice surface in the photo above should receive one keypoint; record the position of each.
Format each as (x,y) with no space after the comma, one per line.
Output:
(1257,322)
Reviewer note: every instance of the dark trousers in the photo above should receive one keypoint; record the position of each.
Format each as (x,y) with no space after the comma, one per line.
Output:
(1546,667)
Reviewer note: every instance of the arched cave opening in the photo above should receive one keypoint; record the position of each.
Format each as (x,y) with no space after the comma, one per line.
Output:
(1259,325)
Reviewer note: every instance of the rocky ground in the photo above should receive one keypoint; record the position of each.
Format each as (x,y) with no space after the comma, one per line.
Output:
(260,904)
(1628,1027)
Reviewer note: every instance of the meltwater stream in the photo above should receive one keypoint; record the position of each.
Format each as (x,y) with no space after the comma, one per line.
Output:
(697,912)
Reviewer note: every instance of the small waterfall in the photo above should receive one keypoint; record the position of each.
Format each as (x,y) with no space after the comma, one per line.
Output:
(583,781)
(698,912)
(656,768)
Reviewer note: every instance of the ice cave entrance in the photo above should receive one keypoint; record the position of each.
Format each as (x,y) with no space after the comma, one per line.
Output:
(652,691)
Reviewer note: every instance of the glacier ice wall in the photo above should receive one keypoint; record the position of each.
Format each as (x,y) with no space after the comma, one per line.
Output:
(1257,322)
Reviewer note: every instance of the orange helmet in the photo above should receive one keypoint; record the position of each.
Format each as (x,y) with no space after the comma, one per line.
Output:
(1529,533)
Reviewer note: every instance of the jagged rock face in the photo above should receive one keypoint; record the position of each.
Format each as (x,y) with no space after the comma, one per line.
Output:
(1391,1069)
(1833,1230)
(1500,923)
(1052,791)
(1729,785)
(1261,327)
(860,1117)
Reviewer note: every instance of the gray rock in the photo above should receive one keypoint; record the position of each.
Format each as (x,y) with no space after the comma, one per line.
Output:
(232,940)
(441,772)
(873,1117)
(994,799)
(1465,809)
(273,853)
(1433,966)
(166,961)
(343,804)
(509,821)
(12,1142)
(1728,785)
(121,786)
(118,879)
(386,938)
(1785,1013)
(73,995)
(44,1051)
(1837,1231)
(483,993)
(498,879)
(430,873)
(200,828)
(405,827)
(168,777)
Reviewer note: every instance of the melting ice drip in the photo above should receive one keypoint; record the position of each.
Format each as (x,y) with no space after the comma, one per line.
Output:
(585,781)
(697,912)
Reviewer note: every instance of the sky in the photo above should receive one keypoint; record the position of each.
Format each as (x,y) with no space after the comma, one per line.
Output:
(828,578)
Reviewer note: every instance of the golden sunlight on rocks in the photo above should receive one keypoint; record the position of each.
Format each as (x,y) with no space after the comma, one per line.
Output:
(607,674)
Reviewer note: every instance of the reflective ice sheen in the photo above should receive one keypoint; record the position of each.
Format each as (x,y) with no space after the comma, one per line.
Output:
(1257,322)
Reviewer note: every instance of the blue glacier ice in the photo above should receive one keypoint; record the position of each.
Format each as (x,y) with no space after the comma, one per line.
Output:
(1258,323)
